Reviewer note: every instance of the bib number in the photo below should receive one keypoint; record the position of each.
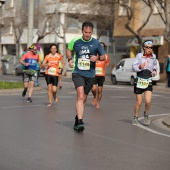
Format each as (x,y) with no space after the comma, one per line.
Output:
(98,70)
(52,71)
(83,64)
(142,83)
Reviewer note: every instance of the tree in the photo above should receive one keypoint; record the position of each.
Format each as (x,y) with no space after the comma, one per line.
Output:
(132,17)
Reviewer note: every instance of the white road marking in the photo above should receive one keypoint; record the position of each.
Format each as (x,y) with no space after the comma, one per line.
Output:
(22,106)
(151,130)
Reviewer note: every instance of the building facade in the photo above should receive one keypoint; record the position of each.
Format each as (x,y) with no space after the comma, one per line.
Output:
(154,30)
(55,21)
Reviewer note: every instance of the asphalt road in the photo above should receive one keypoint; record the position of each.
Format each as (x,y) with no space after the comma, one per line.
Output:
(34,137)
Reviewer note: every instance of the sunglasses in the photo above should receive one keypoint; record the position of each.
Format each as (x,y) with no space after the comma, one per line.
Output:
(148,47)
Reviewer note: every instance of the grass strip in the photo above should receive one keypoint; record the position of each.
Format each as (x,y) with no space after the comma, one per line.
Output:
(10,85)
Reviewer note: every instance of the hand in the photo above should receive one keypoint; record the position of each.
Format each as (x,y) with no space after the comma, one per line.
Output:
(26,64)
(154,73)
(142,65)
(93,58)
(70,63)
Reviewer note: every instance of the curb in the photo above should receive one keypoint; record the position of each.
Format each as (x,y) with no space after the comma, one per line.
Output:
(17,90)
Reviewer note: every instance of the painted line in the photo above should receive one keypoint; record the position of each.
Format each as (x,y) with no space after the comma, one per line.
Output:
(21,106)
(151,130)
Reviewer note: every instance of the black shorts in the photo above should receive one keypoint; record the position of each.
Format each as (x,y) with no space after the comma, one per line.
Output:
(99,80)
(51,80)
(140,91)
(86,82)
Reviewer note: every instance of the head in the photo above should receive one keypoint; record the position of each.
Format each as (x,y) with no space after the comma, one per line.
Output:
(53,48)
(148,46)
(87,29)
(33,48)
(103,45)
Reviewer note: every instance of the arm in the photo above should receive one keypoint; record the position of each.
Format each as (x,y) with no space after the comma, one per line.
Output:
(69,57)
(107,61)
(136,66)
(22,62)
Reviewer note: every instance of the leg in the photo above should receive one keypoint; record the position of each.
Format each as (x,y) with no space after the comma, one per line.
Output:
(148,97)
(49,95)
(137,104)
(94,94)
(54,91)
(31,88)
(99,96)
(80,103)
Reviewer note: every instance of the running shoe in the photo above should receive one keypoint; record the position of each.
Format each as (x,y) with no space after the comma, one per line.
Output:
(79,128)
(135,121)
(146,120)
(29,100)
(24,92)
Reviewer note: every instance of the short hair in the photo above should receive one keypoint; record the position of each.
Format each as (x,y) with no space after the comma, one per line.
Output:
(53,45)
(87,24)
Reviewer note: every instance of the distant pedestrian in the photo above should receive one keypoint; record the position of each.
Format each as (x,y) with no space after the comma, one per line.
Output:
(29,60)
(61,66)
(51,63)
(168,70)
(146,66)
(99,79)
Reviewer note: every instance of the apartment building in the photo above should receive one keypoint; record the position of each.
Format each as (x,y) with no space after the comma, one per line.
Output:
(125,41)
(55,21)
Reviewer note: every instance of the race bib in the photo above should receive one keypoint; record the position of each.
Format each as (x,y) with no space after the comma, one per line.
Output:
(83,64)
(52,71)
(98,70)
(142,83)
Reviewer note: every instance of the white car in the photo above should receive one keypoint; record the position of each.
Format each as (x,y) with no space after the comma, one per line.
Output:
(123,72)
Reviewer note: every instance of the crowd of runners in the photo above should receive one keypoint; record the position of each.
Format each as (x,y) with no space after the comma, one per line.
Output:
(88,60)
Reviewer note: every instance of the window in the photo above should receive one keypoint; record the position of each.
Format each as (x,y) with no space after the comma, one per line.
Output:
(122,9)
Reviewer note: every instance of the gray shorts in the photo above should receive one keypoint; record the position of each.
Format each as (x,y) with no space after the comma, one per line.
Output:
(86,82)
(28,78)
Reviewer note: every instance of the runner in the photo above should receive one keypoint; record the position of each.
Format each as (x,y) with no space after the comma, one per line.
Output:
(145,66)
(61,65)
(99,79)
(85,50)
(51,62)
(29,60)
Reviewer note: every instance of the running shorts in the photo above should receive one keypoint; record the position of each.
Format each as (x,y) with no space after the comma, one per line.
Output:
(28,78)
(140,91)
(86,82)
(99,80)
(51,80)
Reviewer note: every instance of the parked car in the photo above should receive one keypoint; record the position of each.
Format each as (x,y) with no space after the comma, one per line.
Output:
(123,72)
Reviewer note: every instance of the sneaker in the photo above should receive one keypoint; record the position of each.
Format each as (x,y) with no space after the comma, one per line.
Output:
(135,121)
(29,100)
(79,126)
(24,92)
(146,119)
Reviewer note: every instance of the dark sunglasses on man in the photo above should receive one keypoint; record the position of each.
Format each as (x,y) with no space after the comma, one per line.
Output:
(148,47)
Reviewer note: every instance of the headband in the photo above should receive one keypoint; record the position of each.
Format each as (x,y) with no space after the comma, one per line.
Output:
(148,42)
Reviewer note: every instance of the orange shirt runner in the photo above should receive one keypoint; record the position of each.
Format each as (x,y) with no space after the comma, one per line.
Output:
(54,61)
(101,66)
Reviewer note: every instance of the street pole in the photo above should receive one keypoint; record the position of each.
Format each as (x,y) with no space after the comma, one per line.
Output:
(30,23)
